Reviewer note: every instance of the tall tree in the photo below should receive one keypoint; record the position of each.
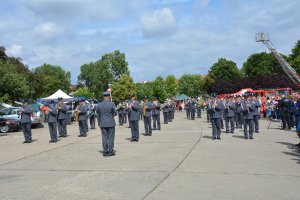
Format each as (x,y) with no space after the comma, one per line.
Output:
(144,89)
(171,86)
(159,89)
(83,92)
(123,88)
(224,69)
(191,85)
(294,57)
(261,64)
(55,77)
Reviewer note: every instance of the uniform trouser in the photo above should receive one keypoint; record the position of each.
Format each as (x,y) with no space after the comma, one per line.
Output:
(292,120)
(173,113)
(82,128)
(188,114)
(62,127)
(166,118)
(120,118)
(53,130)
(208,117)
(297,118)
(147,124)
(248,124)
(156,122)
(285,117)
(125,117)
(92,121)
(256,123)
(170,116)
(222,123)
(141,116)
(231,121)
(193,114)
(26,128)
(134,125)
(239,120)
(216,127)
(108,138)
(199,112)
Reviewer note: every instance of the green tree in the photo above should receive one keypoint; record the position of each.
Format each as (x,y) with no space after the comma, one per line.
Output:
(54,78)
(191,85)
(83,92)
(144,89)
(171,86)
(261,64)
(224,69)
(159,89)
(117,63)
(208,81)
(294,57)
(98,75)
(123,88)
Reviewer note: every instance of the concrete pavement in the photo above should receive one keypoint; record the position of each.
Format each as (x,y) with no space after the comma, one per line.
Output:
(179,162)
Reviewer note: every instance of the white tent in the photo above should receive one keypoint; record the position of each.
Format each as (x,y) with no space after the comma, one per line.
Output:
(58,94)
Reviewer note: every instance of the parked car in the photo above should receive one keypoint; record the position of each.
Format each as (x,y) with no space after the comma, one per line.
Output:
(12,114)
(7,124)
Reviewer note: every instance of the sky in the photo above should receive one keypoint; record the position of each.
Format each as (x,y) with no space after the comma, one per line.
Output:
(158,37)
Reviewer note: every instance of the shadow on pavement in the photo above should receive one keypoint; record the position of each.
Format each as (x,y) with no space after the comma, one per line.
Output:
(239,136)
(294,150)
(207,137)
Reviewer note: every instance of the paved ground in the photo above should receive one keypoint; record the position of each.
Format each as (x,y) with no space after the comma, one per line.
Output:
(180,162)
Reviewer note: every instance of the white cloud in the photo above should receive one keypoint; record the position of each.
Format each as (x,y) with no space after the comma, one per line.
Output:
(15,49)
(158,23)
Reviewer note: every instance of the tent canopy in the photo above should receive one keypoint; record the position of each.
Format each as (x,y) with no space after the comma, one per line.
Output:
(181,97)
(58,94)
(243,91)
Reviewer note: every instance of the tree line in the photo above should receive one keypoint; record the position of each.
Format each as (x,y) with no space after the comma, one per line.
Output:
(260,70)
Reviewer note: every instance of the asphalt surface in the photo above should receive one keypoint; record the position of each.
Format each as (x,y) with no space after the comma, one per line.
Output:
(179,162)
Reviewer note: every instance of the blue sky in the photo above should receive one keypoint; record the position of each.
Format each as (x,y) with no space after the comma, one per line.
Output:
(159,37)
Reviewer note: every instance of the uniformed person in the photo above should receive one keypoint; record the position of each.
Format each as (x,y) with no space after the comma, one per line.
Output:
(285,113)
(156,114)
(166,112)
(134,116)
(62,116)
(247,109)
(106,111)
(187,108)
(257,106)
(52,121)
(92,115)
(25,112)
(82,119)
(229,115)
(193,109)
(199,107)
(120,110)
(238,113)
(216,108)
(147,112)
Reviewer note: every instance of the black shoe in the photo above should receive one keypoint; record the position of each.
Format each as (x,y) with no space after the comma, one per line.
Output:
(232,132)
(297,145)
(218,138)
(105,154)
(80,135)
(227,131)
(65,135)
(150,134)
(84,135)
(29,141)
(51,141)
(256,131)
(54,141)
(154,129)
(246,138)
(111,154)
(137,140)
(60,136)
(25,142)
(251,138)
(214,138)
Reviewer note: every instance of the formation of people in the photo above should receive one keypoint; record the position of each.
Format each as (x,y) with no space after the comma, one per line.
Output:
(130,111)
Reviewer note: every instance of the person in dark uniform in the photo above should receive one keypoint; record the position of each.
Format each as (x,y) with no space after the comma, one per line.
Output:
(147,112)
(141,104)
(247,109)
(156,114)
(166,112)
(229,115)
(284,105)
(106,111)
(120,110)
(199,107)
(238,113)
(193,109)
(62,116)
(52,121)
(92,114)
(82,118)
(215,109)
(134,116)
(25,112)
(187,108)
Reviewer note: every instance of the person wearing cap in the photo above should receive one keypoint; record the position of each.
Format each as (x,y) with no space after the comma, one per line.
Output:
(156,114)
(216,108)
(92,109)
(238,113)
(147,110)
(166,112)
(134,116)
(62,116)
(82,118)
(247,110)
(106,111)
(25,112)
(285,112)
(229,114)
(187,108)
(256,112)
(52,121)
